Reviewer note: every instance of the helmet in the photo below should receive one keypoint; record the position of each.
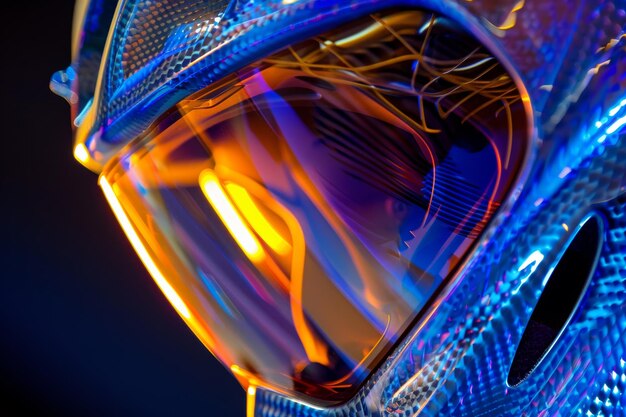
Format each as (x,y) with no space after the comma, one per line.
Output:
(361,207)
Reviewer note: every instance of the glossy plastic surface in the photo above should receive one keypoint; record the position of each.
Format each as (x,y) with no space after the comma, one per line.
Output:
(456,363)
(570,57)
(306,210)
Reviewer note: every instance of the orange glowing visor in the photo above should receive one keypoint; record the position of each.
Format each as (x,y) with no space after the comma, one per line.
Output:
(300,214)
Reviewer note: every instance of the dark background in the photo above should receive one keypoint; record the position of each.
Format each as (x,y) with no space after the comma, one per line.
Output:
(84,329)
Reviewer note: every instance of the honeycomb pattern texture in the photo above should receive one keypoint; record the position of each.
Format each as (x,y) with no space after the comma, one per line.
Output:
(162,51)
(456,363)
(571,57)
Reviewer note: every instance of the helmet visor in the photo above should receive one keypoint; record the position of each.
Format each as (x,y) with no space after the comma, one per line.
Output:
(300,214)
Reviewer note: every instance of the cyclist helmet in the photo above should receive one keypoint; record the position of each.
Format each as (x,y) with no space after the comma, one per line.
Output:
(362,207)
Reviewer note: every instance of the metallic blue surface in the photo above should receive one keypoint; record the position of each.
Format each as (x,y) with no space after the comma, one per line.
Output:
(571,57)
(456,363)
(200,44)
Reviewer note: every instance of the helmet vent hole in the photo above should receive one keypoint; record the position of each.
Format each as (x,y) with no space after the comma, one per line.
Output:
(563,293)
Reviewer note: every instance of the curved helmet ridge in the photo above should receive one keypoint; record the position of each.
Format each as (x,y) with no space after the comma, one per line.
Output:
(362,207)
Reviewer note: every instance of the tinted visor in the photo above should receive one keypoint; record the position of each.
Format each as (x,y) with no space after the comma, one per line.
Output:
(302,213)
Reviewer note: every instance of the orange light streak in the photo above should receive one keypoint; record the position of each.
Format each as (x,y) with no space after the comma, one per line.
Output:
(250,401)
(257,220)
(315,349)
(81,153)
(213,191)
(167,289)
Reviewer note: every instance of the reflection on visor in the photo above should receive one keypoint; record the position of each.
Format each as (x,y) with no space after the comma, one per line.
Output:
(304,211)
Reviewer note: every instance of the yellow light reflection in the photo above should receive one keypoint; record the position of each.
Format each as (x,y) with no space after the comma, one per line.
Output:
(257,220)
(251,400)
(316,349)
(81,153)
(169,292)
(213,191)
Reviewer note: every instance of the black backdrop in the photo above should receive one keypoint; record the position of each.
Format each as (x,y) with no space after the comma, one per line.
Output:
(83,329)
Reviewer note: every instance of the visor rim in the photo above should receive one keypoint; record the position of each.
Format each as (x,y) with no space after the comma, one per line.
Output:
(429,308)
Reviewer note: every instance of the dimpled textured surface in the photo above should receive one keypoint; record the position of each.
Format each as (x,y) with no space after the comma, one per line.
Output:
(163,51)
(571,57)
(456,363)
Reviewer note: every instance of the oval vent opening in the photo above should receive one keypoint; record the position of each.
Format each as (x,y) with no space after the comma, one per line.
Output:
(559,301)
